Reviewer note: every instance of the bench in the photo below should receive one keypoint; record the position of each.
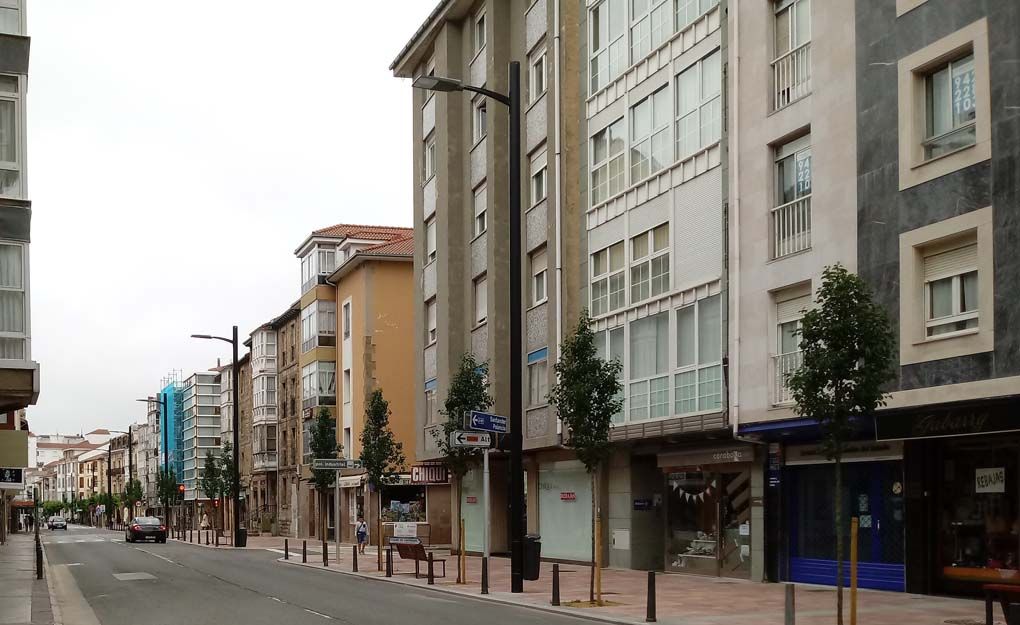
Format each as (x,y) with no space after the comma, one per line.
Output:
(416,552)
(1004,593)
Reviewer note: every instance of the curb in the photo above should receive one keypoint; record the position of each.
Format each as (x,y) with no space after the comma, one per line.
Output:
(585,614)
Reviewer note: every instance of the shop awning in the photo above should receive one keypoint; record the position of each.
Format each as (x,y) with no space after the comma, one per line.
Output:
(352,481)
(727,454)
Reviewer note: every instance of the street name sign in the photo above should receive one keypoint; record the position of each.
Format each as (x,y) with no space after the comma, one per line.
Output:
(334,464)
(487,422)
(460,438)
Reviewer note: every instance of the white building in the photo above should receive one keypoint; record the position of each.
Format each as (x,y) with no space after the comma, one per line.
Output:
(200,428)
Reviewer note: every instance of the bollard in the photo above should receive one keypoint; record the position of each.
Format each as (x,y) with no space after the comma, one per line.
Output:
(389,562)
(207,538)
(791,605)
(354,559)
(556,584)
(432,573)
(191,535)
(216,538)
(325,553)
(38,559)
(286,549)
(485,575)
(304,552)
(650,613)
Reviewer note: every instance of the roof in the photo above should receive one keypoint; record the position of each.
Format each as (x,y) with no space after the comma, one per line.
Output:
(397,247)
(433,16)
(359,231)
(99,431)
(77,445)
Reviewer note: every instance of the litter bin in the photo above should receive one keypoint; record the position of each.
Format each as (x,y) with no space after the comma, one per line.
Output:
(532,556)
(242,537)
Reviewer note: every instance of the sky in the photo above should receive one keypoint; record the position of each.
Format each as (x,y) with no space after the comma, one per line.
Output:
(178,153)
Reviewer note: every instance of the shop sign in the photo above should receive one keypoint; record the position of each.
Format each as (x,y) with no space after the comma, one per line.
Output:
(948,422)
(471,499)
(642,504)
(405,530)
(12,478)
(700,457)
(865,450)
(429,474)
(990,480)
(568,496)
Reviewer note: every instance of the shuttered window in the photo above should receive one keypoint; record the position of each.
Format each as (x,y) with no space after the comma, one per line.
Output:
(951,291)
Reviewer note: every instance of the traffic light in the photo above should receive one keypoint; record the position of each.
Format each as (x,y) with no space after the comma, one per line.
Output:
(216,503)
(180,490)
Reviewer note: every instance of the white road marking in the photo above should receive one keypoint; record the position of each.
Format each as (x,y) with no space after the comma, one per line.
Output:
(73,564)
(130,577)
(325,616)
(276,599)
(156,555)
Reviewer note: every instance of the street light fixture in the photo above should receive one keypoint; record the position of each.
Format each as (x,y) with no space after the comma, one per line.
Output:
(235,487)
(512,100)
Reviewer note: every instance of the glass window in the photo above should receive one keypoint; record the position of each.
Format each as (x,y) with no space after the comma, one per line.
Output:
(609,345)
(649,273)
(538,190)
(429,158)
(607,22)
(607,287)
(10,19)
(481,300)
(538,382)
(480,123)
(699,353)
(539,267)
(650,148)
(430,320)
(537,75)
(699,105)
(480,204)
(649,338)
(479,32)
(607,175)
(651,26)
(431,404)
(430,240)
(951,291)
(347,319)
(688,11)
(951,108)
(793,25)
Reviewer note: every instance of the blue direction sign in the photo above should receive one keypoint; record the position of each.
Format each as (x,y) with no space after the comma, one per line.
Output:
(486,422)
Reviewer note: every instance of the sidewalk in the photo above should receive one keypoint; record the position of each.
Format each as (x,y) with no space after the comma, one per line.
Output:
(24,600)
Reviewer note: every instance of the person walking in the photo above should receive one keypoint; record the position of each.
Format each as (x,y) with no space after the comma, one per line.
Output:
(361,530)
(205,520)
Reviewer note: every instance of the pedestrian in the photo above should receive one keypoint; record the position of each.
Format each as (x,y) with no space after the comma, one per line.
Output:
(205,520)
(361,530)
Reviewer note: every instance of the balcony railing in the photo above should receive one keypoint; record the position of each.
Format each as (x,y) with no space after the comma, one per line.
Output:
(791,227)
(783,366)
(791,76)
(264,461)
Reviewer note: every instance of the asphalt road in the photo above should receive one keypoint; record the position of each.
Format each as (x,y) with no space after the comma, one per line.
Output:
(180,584)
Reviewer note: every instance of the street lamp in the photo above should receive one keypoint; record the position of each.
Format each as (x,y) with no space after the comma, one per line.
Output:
(235,487)
(512,100)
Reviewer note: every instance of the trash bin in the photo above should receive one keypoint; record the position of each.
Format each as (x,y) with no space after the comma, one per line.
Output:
(242,537)
(532,556)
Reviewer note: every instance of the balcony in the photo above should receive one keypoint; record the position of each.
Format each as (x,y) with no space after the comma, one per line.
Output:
(264,461)
(791,76)
(783,366)
(791,227)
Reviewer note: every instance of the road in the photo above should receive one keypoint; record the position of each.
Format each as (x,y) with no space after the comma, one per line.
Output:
(98,578)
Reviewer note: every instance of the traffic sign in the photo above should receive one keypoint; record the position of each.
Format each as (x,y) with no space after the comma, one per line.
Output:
(460,438)
(334,464)
(486,422)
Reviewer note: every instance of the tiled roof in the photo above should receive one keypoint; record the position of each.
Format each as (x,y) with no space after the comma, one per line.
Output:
(61,445)
(398,247)
(99,431)
(360,231)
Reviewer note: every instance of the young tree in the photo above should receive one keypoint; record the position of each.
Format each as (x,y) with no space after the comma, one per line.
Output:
(469,390)
(381,455)
(166,486)
(133,494)
(211,482)
(230,479)
(323,445)
(848,352)
(586,396)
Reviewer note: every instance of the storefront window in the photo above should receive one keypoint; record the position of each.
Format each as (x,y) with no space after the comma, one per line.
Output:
(978,510)
(709,522)
(403,504)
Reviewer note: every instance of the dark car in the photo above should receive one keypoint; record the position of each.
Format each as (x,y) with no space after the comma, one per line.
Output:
(144,528)
(57,523)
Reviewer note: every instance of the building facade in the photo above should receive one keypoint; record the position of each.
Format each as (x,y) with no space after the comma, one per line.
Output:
(287,327)
(200,429)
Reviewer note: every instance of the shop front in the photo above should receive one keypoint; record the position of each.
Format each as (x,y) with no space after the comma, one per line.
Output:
(564,510)
(710,494)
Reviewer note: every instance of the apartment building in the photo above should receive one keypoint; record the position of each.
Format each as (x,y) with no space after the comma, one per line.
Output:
(461,258)
(224,382)
(200,429)
(151,446)
(374,284)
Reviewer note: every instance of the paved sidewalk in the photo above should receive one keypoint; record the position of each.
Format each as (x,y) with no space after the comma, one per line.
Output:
(24,600)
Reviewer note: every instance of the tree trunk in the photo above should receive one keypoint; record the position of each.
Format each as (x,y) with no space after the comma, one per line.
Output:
(591,580)
(838,514)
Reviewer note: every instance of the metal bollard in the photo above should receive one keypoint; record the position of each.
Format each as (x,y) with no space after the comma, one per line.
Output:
(485,575)
(556,584)
(432,573)
(191,535)
(791,605)
(216,538)
(286,550)
(354,559)
(325,553)
(38,559)
(389,562)
(650,613)
(304,552)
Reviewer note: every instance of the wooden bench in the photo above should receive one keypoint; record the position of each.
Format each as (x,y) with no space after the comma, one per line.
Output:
(417,553)
(1004,593)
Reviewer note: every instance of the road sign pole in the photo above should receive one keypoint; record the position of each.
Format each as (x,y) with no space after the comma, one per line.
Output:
(336,513)
(485,496)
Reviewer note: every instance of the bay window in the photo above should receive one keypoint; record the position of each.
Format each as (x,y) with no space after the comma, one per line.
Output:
(651,26)
(951,291)
(650,148)
(318,319)
(10,17)
(318,383)
(13,301)
(607,286)
(609,346)
(649,273)
(698,382)
(687,11)
(10,145)
(607,22)
(950,108)
(649,364)
(699,105)
(607,169)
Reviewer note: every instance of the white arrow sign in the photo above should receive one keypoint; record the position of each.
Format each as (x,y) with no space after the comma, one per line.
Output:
(460,438)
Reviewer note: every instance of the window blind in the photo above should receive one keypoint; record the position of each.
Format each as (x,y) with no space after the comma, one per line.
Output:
(950,262)
(788,310)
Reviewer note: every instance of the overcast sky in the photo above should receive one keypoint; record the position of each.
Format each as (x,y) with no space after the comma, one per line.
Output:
(178,153)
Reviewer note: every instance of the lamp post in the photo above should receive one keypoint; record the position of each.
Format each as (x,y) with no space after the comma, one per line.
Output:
(235,488)
(512,100)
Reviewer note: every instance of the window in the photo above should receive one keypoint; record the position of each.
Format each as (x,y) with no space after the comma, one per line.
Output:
(789,311)
(479,31)
(607,287)
(481,300)
(791,67)
(430,240)
(347,319)
(538,377)
(649,135)
(649,272)
(950,108)
(607,162)
(649,363)
(429,158)
(327,318)
(10,149)
(539,187)
(607,22)
(793,25)
(13,302)
(430,322)
(327,260)
(791,215)
(651,26)
(687,11)
(537,76)
(318,381)
(609,346)
(479,120)
(431,402)
(698,384)
(951,291)
(481,201)
(317,319)
(699,105)
(539,267)
(10,17)
(347,386)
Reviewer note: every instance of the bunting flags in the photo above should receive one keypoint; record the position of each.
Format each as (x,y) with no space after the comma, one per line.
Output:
(687,495)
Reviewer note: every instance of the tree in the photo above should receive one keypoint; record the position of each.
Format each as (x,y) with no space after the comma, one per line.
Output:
(133,494)
(847,348)
(323,445)
(586,396)
(166,486)
(230,479)
(382,456)
(469,390)
(211,482)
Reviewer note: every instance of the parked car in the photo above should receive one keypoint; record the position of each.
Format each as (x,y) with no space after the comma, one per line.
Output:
(144,528)
(57,523)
